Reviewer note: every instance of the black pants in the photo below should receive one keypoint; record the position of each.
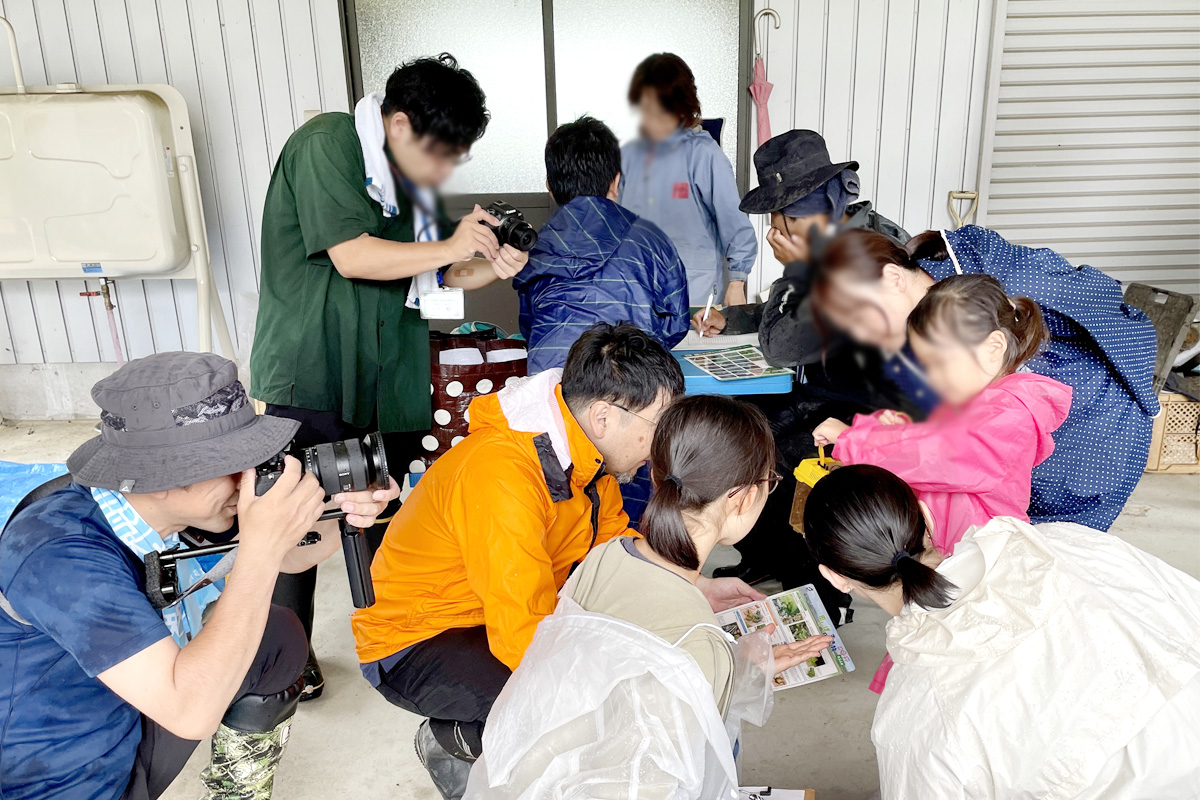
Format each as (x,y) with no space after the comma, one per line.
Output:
(297,591)
(451,678)
(277,665)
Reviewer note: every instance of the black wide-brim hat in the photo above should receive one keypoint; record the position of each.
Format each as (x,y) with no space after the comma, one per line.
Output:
(790,166)
(173,419)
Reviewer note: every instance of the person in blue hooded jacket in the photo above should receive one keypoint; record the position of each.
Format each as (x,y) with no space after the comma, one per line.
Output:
(594,260)
(677,176)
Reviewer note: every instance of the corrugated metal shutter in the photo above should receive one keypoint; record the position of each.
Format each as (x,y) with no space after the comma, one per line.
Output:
(1092,145)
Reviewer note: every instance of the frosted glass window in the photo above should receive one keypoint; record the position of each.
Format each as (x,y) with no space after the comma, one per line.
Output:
(500,42)
(598,44)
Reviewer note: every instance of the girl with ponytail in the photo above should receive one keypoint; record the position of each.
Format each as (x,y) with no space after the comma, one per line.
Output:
(1034,661)
(973,459)
(868,286)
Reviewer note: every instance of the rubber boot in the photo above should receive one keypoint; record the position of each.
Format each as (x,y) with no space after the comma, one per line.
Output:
(449,773)
(297,592)
(243,764)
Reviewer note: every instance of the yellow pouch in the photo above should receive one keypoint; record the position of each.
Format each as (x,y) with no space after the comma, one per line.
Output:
(807,474)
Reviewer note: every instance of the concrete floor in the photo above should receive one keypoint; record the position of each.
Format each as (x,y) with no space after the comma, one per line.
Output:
(352,743)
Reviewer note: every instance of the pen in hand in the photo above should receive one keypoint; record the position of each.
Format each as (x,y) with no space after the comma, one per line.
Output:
(707,307)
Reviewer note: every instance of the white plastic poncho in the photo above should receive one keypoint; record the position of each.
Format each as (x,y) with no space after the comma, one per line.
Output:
(1067,667)
(600,709)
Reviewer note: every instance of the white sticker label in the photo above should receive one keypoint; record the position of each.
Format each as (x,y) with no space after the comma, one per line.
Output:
(169,158)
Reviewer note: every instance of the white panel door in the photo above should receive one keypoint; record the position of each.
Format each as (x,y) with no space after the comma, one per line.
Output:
(1092,144)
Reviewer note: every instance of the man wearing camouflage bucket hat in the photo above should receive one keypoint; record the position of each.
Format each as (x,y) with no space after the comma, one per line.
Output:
(105,697)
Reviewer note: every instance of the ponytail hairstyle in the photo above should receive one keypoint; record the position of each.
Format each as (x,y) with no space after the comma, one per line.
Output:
(864,523)
(704,448)
(970,307)
(863,253)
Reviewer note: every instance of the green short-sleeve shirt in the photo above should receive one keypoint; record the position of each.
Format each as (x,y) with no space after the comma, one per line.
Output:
(322,341)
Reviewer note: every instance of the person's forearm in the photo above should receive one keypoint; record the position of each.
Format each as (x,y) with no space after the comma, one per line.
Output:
(371,258)
(742,319)
(211,668)
(469,275)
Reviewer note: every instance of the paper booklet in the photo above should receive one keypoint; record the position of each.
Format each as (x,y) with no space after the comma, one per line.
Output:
(797,614)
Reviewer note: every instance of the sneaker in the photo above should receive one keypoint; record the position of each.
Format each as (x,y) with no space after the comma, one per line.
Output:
(449,774)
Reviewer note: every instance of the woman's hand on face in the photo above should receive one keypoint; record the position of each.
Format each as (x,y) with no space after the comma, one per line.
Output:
(787,248)
(796,653)
(828,432)
(714,325)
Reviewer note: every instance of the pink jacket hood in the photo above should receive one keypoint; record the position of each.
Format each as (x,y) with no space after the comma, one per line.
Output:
(972,463)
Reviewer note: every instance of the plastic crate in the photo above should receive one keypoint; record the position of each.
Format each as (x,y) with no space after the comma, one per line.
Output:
(1175,443)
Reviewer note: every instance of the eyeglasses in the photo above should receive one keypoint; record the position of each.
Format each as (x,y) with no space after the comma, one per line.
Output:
(772,481)
(652,423)
(443,153)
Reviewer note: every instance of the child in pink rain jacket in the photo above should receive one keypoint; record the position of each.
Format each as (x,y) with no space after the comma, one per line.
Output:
(973,459)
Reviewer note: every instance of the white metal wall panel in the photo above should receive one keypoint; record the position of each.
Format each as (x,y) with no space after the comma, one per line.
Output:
(1094,137)
(249,70)
(897,85)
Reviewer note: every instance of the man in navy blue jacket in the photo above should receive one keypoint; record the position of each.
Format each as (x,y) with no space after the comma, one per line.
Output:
(595,261)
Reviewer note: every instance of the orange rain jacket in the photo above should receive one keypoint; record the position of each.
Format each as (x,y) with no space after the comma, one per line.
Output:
(494,527)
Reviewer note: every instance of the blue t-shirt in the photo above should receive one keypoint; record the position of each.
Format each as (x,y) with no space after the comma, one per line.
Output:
(63,733)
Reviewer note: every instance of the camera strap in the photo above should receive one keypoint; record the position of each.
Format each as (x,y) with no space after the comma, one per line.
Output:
(218,571)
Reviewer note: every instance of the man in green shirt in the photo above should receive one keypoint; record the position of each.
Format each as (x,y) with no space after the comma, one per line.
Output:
(350,222)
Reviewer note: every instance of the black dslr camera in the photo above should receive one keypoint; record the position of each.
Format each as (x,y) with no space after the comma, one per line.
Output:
(513,229)
(351,465)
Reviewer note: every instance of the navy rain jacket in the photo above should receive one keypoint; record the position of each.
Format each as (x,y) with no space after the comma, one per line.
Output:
(598,262)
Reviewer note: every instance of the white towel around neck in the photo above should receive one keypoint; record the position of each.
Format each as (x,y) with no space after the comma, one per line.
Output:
(381,187)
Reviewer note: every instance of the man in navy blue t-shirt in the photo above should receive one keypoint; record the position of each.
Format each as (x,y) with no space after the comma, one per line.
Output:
(102,696)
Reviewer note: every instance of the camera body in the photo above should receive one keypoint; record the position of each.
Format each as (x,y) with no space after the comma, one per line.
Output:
(513,229)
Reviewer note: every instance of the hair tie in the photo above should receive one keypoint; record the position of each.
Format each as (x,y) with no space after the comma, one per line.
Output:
(674,480)
(896,559)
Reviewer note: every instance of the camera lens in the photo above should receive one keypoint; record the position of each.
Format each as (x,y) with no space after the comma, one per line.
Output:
(351,465)
(523,237)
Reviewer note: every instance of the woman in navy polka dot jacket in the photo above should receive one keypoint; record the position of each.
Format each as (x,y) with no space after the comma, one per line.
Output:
(1101,347)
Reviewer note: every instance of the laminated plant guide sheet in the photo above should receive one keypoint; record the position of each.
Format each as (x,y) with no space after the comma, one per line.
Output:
(798,614)
(736,363)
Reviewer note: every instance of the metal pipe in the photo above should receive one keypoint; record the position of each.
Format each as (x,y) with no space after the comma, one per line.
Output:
(16,58)
(112,320)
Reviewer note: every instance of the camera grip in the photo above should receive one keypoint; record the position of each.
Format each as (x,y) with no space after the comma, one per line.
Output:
(358,566)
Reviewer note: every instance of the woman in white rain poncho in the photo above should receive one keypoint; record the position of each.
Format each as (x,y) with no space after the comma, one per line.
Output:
(630,689)
(1037,661)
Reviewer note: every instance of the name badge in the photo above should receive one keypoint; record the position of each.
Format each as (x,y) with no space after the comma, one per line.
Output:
(446,302)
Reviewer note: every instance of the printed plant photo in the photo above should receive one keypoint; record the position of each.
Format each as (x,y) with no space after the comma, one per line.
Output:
(788,609)
(754,616)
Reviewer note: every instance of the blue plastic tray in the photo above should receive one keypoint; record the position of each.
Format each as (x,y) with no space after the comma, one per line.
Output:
(697,381)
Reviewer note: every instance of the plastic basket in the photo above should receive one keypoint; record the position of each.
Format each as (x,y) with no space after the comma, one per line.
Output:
(1175,443)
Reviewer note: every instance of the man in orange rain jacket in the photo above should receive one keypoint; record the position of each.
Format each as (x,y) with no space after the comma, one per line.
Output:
(475,557)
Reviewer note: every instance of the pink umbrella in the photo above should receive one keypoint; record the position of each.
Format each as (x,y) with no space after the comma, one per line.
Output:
(760,89)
